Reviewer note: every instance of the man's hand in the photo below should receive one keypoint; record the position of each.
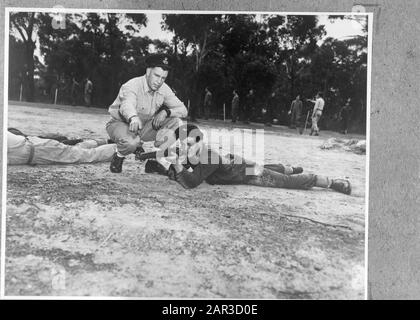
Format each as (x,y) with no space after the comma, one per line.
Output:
(158,120)
(135,124)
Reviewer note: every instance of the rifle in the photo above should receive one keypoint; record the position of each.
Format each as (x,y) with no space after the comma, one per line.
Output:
(306,121)
(152,155)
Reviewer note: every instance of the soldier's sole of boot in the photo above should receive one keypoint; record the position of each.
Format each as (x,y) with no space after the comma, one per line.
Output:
(342,186)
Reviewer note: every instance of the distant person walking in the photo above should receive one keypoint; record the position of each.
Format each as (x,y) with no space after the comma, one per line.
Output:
(317,112)
(249,105)
(207,103)
(88,92)
(74,91)
(345,117)
(295,112)
(235,106)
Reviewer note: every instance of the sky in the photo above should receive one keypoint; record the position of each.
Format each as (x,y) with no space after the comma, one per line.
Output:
(338,29)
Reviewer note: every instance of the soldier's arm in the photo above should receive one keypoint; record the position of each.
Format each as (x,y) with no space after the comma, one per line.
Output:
(128,98)
(200,172)
(291,106)
(175,106)
(190,180)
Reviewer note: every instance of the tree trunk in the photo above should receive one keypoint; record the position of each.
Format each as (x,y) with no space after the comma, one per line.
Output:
(176,46)
(292,79)
(30,73)
(29,58)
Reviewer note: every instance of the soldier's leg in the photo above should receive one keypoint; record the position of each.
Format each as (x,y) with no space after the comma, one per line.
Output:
(313,126)
(270,178)
(53,152)
(127,141)
(293,119)
(316,118)
(149,134)
(233,114)
(19,155)
(206,112)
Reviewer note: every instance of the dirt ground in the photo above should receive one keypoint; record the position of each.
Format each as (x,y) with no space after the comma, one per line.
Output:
(79,230)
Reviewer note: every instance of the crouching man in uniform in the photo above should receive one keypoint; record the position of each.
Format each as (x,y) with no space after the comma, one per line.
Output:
(144,106)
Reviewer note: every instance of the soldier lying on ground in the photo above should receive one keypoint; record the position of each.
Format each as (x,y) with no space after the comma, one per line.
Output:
(24,149)
(207,165)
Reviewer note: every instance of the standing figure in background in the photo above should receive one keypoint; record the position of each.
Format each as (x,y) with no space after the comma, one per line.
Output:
(317,113)
(271,104)
(345,117)
(88,92)
(207,103)
(74,91)
(249,105)
(295,112)
(235,106)
(297,116)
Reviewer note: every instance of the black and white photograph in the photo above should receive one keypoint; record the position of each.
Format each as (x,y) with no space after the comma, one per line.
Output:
(186,154)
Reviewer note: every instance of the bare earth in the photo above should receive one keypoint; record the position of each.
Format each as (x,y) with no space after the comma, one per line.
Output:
(80,230)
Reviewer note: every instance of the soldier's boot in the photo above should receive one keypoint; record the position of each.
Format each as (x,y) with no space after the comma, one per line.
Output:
(341,185)
(154,166)
(116,163)
(297,170)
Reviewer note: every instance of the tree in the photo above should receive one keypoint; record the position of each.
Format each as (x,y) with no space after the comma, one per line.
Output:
(24,25)
(17,69)
(285,54)
(193,33)
(104,47)
(292,40)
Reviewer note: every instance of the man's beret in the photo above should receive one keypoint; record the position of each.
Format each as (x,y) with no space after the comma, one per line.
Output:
(158,60)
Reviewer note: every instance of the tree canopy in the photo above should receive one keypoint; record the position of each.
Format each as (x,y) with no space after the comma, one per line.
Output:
(288,55)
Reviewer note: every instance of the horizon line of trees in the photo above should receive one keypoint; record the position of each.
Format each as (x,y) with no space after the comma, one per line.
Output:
(220,51)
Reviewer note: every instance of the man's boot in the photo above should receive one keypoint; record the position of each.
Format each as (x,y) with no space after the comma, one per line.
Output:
(341,185)
(297,170)
(154,166)
(116,163)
